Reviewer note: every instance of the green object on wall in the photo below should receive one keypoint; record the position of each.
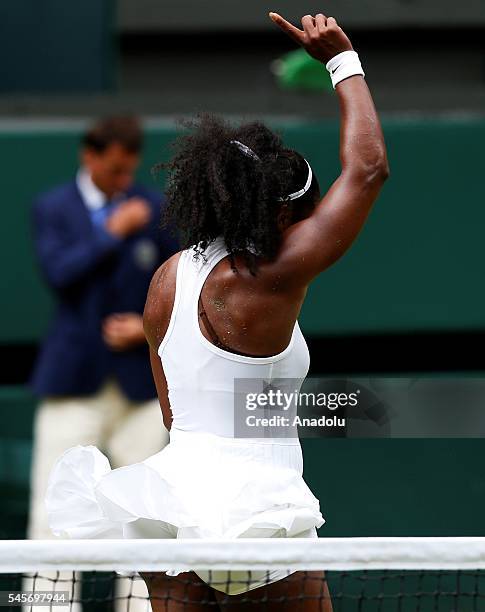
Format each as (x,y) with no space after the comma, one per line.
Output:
(298,70)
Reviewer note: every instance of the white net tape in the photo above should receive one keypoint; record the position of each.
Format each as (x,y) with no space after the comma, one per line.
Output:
(332,554)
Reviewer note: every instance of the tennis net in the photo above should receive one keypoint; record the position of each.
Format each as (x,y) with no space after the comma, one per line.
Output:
(339,574)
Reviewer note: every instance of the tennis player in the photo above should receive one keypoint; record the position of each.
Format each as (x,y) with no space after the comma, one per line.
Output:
(255,233)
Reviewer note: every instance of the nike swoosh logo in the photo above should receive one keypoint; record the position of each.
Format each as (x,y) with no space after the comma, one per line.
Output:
(334,70)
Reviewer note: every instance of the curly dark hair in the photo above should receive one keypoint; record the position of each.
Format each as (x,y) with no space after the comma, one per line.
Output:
(215,189)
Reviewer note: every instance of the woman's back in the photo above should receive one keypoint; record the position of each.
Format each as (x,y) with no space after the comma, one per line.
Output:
(201,375)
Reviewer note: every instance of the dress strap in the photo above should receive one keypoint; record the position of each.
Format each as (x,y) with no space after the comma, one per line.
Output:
(208,325)
(213,334)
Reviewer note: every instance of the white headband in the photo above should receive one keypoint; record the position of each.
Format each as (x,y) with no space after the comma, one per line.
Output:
(293,196)
(298,194)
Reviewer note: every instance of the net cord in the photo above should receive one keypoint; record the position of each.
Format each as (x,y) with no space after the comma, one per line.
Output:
(332,554)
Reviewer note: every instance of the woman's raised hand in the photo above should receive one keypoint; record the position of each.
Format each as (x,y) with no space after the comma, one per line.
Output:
(321,36)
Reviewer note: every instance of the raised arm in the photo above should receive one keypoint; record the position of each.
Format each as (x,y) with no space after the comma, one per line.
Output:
(312,245)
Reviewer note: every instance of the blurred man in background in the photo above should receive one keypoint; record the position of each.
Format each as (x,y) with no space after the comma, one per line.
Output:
(98,242)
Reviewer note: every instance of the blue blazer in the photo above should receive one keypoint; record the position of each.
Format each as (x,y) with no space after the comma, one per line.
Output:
(93,274)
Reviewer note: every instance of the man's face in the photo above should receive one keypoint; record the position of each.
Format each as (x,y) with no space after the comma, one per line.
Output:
(112,170)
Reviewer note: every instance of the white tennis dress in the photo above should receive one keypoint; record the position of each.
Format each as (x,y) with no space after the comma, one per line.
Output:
(206,483)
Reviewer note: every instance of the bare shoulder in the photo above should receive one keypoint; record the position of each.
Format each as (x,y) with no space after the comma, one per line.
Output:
(159,302)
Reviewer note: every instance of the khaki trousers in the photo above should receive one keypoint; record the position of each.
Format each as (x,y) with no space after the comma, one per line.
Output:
(126,431)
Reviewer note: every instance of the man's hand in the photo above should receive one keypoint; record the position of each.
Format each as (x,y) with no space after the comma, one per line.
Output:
(122,331)
(321,36)
(130,217)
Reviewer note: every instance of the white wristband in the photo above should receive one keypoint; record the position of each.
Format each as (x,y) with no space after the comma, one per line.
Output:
(343,66)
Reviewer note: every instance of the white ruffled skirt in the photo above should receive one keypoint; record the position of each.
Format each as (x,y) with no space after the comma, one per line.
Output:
(199,486)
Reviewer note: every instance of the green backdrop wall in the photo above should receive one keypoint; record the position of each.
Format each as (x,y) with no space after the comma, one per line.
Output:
(57,46)
(416,266)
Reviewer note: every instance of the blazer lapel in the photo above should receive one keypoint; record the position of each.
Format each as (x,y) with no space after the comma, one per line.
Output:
(79,212)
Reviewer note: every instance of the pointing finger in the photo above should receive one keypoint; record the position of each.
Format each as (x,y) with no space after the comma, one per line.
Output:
(296,34)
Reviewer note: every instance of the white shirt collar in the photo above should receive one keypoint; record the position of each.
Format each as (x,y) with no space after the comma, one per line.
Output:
(93,197)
